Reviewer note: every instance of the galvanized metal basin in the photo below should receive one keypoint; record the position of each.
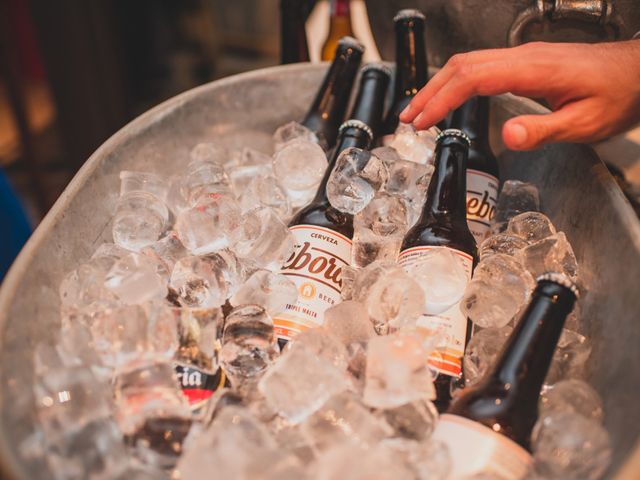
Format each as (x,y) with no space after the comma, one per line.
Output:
(577,192)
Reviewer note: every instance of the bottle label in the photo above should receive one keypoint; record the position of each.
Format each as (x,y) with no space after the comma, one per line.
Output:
(316,268)
(449,321)
(340,8)
(198,385)
(476,449)
(482,195)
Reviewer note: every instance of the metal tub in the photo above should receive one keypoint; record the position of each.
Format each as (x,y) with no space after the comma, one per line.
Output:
(577,193)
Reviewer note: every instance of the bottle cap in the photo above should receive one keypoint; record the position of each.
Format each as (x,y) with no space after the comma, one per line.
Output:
(350,42)
(356,124)
(453,132)
(409,14)
(376,66)
(560,279)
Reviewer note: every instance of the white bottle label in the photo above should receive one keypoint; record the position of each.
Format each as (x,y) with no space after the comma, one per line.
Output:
(477,449)
(451,322)
(482,195)
(316,268)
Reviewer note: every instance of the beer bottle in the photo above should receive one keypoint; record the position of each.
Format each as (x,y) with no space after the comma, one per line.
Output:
(322,233)
(411,66)
(293,36)
(443,224)
(339,26)
(330,104)
(472,117)
(489,426)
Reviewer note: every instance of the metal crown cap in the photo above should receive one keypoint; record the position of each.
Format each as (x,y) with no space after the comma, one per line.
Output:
(376,66)
(409,13)
(560,279)
(350,42)
(453,132)
(356,124)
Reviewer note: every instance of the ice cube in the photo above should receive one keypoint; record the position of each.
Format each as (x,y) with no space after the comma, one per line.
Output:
(168,250)
(531,226)
(300,164)
(266,192)
(292,131)
(204,179)
(242,175)
(418,147)
(139,220)
(267,289)
(348,278)
(143,182)
(355,179)
(397,371)
(199,282)
(391,296)
(264,239)
(209,225)
(324,345)
(344,419)
(515,197)
(415,420)
(349,322)
(569,358)
(136,279)
(501,243)
(251,156)
(442,277)
(551,254)
(248,343)
(570,446)
(198,331)
(209,153)
(499,289)
(572,396)
(299,383)
(83,287)
(482,352)
(429,460)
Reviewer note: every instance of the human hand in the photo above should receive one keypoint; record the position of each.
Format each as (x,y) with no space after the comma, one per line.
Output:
(593,90)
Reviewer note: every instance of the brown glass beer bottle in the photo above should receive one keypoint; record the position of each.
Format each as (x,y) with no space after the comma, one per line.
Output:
(293,36)
(322,233)
(339,26)
(329,106)
(489,426)
(472,117)
(443,224)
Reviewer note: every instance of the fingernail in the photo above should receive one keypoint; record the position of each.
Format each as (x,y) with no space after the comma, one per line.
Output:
(518,134)
(418,118)
(406,111)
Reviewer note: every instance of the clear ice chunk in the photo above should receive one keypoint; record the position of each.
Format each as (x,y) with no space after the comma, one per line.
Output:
(324,345)
(397,371)
(392,297)
(209,153)
(349,322)
(570,446)
(267,289)
(355,179)
(415,420)
(348,278)
(572,396)
(266,192)
(516,197)
(199,282)
(442,278)
(143,182)
(299,383)
(136,279)
(292,131)
(168,250)
(139,220)
(243,175)
(531,226)
(501,243)
(551,254)
(299,165)
(482,352)
(248,343)
(569,358)
(499,289)
(417,147)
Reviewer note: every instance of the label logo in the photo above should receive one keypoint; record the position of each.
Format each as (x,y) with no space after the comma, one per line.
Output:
(307,290)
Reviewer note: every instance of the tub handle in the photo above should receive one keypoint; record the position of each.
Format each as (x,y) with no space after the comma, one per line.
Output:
(589,11)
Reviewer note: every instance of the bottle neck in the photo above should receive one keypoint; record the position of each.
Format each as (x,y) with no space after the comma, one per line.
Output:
(527,355)
(411,59)
(446,195)
(473,118)
(340,9)
(350,137)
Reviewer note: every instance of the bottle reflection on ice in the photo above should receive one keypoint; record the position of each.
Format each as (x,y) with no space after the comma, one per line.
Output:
(472,117)
(489,426)
(443,224)
(323,234)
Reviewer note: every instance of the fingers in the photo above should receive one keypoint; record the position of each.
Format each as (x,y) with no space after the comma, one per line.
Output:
(528,132)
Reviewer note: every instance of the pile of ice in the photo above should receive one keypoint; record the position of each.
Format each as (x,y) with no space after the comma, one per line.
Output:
(192,277)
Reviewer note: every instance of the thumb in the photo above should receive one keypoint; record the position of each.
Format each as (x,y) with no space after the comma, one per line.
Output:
(528,132)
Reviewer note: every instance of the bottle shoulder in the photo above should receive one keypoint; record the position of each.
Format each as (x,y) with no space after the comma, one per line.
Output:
(452,236)
(322,214)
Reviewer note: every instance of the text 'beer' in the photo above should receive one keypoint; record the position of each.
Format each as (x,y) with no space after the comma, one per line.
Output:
(411,66)
(330,104)
(489,426)
(443,224)
(472,117)
(322,233)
